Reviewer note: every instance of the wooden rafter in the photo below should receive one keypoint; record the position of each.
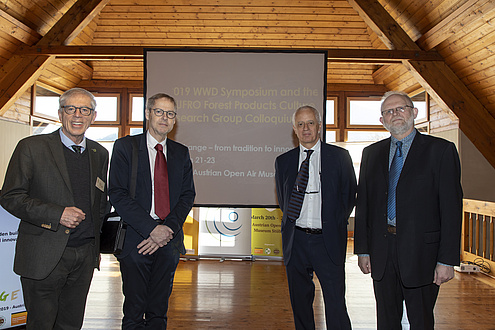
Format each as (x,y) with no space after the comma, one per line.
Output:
(436,78)
(104,52)
(469,13)
(21,71)
(17,29)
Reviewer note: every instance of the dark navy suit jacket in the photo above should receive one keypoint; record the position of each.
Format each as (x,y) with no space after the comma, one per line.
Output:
(338,193)
(136,212)
(429,209)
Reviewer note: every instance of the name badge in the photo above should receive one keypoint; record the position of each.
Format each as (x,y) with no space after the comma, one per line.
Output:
(100,184)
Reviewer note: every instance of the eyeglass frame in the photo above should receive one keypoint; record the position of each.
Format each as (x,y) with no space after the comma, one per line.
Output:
(168,112)
(400,109)
(67,111)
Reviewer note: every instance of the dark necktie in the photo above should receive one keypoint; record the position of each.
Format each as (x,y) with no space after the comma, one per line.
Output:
(393,178)
(299,189)
(162,199)
(77,149)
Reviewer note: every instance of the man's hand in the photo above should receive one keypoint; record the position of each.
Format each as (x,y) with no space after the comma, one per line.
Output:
(161,235)
(443,274)
(72,217)
(364,264)
(148,246)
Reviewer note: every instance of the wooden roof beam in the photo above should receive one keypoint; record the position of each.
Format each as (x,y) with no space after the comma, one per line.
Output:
(436,78)
(17,29)
(21,71)
(106,52)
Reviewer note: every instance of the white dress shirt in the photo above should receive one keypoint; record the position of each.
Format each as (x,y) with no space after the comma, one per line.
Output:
(310,216)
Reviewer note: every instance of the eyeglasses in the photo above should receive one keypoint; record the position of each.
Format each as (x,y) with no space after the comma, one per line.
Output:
(390,112)
(71,109)
(160,112)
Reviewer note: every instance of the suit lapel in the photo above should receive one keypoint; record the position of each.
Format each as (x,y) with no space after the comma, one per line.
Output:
(383,160)
(413,154)
(174,180)
(93,166)
(144,171)
(56,148)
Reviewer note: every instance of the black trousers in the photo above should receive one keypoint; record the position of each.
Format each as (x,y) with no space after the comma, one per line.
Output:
(59,300)
(147,282)
(390,293)
(309,256)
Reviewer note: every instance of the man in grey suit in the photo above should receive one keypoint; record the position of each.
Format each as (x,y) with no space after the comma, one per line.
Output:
(56,184)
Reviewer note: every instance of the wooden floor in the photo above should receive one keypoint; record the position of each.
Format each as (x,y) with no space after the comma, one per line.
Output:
(209,294)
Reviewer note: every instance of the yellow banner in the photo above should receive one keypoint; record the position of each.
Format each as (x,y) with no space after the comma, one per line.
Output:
(266,239)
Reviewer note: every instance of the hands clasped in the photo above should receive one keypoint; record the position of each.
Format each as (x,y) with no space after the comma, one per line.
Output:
(159,237)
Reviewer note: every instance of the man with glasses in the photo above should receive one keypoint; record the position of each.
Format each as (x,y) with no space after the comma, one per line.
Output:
(316,188)
(408,216)
(164,196)
(56,185)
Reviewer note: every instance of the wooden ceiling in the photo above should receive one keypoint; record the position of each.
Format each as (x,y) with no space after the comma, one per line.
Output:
(445,47)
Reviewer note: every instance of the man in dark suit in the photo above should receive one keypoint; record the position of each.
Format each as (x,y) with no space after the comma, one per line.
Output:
(316,205)
(408,225)
(56,185)
(154,238)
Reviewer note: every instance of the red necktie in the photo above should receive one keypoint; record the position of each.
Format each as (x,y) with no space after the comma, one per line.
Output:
(162,198)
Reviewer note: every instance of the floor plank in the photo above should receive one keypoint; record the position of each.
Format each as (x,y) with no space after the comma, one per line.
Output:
(209,294)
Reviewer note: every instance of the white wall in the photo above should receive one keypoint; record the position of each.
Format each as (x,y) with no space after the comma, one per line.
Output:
(10,134)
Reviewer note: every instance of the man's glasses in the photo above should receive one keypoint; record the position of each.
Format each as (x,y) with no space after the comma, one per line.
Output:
(390,112)
(71,109)
(160,112)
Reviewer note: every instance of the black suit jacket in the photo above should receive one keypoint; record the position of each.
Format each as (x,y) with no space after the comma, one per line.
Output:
(136,212)
(429,208)
(37,189)
(338,191)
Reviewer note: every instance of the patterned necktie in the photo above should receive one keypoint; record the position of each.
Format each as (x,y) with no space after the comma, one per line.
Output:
(162,198)
(393,178)
(299,189)
(77,149)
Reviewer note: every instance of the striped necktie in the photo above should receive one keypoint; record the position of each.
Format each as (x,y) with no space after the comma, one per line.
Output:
(393,178)
(299,189)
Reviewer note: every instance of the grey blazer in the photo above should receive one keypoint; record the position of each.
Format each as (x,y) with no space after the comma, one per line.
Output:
(37,189)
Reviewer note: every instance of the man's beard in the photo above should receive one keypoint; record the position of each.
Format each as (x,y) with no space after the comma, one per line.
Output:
(400,129)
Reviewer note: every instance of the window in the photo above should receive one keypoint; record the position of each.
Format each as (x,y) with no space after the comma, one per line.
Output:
(137,108)
(107,108)
(364,111)
(331,113)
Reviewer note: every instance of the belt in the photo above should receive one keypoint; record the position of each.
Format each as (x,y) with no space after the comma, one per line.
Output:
(309,230)
(392,229)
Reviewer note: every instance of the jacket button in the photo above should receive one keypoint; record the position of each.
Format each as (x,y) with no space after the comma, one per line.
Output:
(67,231)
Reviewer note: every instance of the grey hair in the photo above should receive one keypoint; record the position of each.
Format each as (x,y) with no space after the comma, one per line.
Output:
(315,112)
(150,104)
(404,95)
(62,101)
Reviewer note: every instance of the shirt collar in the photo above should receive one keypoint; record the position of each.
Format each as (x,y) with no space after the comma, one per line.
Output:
(407,140)
(152,142)
(316,147)
(69,143)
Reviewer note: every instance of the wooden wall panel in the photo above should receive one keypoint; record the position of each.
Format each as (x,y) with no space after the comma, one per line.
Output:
(341,73)
(261,23)
(441,120)
(20,111)
(117,70)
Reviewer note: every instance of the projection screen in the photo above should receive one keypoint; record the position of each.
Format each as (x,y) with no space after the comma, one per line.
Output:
(235,114)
